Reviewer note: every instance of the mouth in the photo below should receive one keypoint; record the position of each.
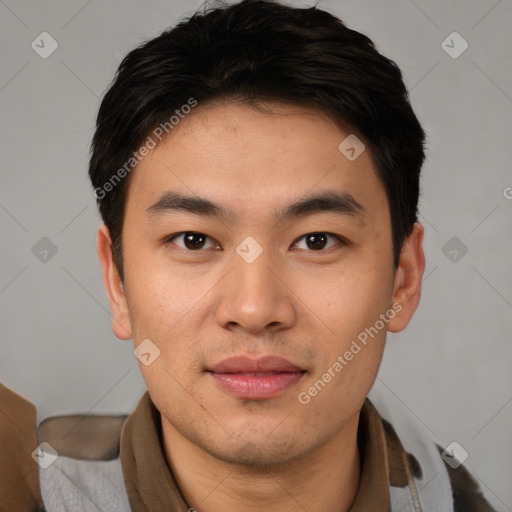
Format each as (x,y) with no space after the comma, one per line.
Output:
(256,379)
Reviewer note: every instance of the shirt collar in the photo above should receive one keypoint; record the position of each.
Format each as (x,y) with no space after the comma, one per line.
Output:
(151,487)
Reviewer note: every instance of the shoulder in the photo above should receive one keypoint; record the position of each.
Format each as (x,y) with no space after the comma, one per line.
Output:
(414,459)
(83,436)
(467,496)
(84,469)
(19,482)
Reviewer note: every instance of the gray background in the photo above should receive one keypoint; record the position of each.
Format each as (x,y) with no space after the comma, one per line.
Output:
(450,368)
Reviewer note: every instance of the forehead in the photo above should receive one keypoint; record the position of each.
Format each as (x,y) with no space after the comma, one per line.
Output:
(253,160)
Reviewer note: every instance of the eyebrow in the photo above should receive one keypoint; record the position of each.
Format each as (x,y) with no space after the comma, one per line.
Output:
(341,203)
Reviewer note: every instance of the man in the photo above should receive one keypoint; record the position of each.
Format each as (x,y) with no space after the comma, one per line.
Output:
(257,171)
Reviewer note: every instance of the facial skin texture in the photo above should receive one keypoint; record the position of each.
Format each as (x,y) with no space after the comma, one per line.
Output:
(204,305)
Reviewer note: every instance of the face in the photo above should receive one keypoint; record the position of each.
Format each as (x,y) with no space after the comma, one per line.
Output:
(269,290)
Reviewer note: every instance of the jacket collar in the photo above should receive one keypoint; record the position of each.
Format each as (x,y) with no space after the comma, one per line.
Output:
(150,483)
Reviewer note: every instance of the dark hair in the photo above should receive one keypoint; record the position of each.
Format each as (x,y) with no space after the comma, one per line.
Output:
(254,51)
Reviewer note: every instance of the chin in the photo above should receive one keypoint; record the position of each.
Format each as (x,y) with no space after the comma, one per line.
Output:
(261,453)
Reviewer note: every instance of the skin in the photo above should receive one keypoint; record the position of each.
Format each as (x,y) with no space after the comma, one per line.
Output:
(200,306)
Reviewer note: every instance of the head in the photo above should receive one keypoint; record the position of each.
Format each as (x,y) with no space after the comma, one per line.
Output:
(282,125)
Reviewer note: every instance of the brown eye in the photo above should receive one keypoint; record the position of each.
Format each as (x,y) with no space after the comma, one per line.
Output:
(191,240)
(318,240)
(194,240)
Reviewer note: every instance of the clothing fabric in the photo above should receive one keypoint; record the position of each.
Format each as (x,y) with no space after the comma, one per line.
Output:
(72,485)
(390,479)
(19,482)
(401,468)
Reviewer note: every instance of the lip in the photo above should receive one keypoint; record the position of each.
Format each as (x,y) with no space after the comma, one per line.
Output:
(256,379)
(242,364)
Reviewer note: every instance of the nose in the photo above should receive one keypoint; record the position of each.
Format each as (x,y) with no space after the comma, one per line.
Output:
(254,296)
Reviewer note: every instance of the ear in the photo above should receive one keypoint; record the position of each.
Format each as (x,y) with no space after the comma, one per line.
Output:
(121,324)
(408,277)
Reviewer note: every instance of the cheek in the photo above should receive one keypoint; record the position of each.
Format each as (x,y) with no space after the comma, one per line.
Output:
(350,310)
(354,300)
(159,296)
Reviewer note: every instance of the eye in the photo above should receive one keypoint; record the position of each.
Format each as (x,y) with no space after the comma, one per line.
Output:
(192,240)
(319,240)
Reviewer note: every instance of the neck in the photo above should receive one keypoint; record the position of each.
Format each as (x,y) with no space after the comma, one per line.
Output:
(326,479)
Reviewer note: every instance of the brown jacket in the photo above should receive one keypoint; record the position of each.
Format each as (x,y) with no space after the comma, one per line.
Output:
(19,477)
(385,463)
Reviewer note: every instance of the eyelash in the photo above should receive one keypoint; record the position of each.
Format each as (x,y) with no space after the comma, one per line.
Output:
(341,241)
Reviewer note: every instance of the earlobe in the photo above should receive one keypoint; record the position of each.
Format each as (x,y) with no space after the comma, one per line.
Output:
(121,324)
(408,277)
